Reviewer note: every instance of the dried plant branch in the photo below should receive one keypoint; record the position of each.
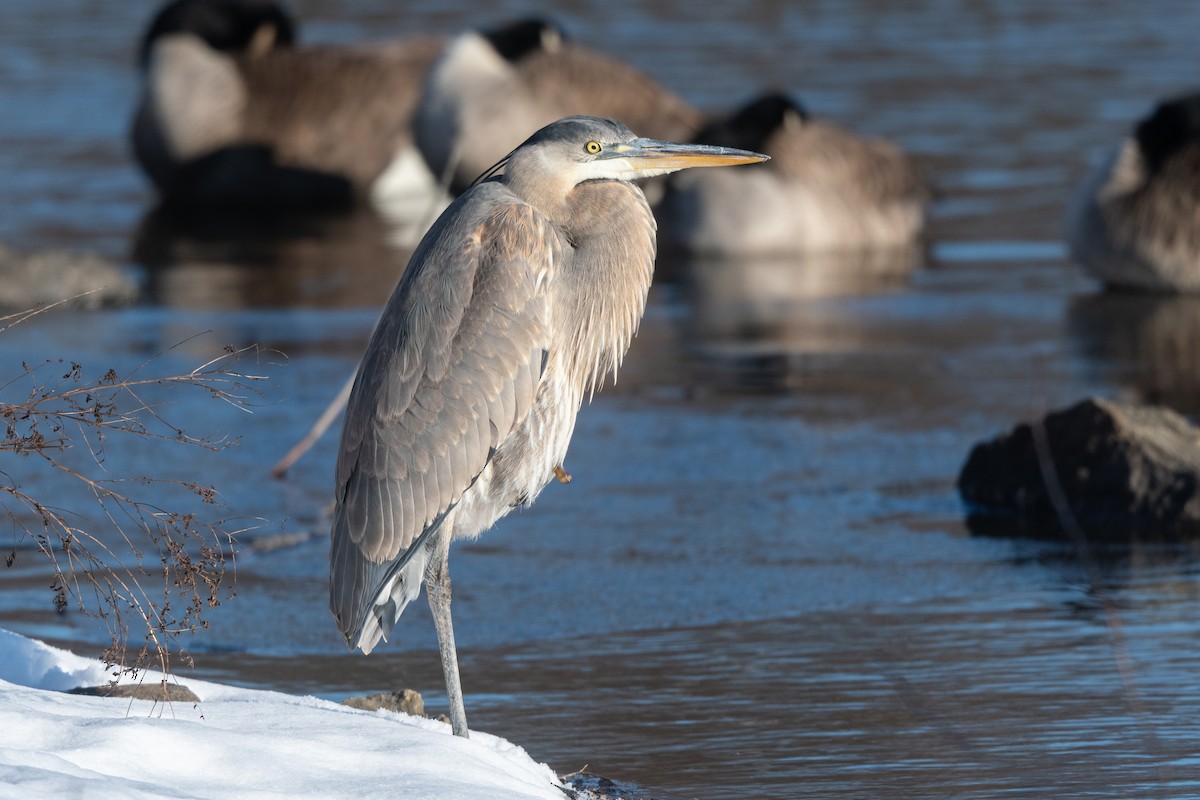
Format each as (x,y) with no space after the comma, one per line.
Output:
(136,565)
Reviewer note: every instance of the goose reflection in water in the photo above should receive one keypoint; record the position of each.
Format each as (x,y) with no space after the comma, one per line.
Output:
(751,324)
(1148,343)
(227,261)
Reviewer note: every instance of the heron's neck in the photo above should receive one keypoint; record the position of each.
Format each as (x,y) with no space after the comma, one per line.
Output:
(540,185)
(600,291)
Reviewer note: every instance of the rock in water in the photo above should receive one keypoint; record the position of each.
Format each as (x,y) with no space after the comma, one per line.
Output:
(1125,470)
(171,692)
(51,276)
(406,701)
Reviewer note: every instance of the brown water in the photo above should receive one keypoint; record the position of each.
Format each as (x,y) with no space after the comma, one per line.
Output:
(759,583)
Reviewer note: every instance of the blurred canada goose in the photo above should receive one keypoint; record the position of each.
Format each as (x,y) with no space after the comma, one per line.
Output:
(233,115)
(1135,219)
(824,189)
(491,89)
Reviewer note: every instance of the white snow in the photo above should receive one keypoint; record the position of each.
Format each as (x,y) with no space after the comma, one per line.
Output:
(234,743)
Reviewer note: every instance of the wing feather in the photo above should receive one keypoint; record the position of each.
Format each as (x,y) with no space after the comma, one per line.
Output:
(451,369)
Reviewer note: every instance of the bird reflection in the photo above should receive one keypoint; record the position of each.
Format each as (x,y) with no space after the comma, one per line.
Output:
(751,326)
(1150,343)
(223,261)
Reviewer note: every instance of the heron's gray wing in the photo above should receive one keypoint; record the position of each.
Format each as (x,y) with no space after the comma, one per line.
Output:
(451,369)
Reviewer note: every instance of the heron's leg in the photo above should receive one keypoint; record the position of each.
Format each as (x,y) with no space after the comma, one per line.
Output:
(437,587)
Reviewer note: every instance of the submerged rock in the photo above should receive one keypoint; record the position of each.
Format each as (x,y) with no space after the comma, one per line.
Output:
(49,276)
(406,701)
(585,785)
(1124,470)
(173,692)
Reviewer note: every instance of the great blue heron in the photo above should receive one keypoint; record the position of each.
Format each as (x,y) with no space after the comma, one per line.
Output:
(516,305)
(825,189)
(1135,220)
(233,113)
(491,89)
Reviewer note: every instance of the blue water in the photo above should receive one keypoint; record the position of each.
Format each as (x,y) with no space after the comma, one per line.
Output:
(759,583)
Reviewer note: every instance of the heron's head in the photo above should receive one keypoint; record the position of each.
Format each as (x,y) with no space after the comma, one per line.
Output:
(576,149)
(231,26)
(1174,125)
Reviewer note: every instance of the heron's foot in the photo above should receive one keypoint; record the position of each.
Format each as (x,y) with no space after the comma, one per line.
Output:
(562,475)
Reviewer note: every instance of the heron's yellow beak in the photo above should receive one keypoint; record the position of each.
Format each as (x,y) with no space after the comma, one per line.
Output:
(659,156)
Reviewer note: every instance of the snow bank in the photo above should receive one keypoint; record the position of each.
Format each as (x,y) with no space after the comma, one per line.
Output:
(233,743)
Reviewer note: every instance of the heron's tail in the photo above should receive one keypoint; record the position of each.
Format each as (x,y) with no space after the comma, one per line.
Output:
(381,615)
(366,597)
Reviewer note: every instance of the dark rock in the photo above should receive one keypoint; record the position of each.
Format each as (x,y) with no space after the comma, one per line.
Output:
(406,701)
(1124,470)
(50,276)
(585,785)
(172,692)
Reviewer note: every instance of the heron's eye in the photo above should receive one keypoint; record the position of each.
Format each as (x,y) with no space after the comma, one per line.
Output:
(593,147)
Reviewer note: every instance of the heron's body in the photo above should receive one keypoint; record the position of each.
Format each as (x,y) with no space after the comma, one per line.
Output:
(517,304)
(824,189)
(471,419)
(490,90)
(265,125)
(1135,219)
